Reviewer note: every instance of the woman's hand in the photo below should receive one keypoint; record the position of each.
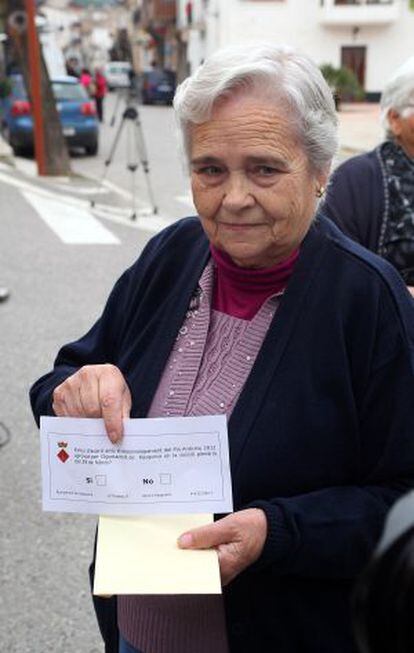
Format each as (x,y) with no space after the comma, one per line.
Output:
(95,391)
(239,539)
(411,290)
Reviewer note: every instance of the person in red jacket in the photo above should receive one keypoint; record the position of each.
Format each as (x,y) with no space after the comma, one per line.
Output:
(100,92)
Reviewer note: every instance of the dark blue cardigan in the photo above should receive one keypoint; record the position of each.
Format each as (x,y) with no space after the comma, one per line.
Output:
(322,437)
(355,198)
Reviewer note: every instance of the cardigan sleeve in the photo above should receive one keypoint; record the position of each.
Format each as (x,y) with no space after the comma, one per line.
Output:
(355,199)
(331,532)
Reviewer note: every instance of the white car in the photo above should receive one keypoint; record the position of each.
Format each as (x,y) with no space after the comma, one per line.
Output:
(118,74)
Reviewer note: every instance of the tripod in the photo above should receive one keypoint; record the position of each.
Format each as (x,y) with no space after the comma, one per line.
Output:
(122,95)
(126,94)
(136,153)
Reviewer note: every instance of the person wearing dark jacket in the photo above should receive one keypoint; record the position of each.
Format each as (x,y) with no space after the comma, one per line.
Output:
(259,308)
(371,196)
(4,293)
(383,601)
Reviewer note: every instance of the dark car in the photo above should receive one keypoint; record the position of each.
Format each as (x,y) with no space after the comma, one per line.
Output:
(158,87)
(76,110)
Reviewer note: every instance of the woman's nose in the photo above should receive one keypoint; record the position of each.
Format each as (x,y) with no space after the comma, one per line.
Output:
(237,194)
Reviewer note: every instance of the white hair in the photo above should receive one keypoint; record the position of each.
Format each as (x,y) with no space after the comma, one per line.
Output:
(398,94)
(284,74)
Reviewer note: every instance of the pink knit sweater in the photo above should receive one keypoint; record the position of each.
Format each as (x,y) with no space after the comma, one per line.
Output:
(205,373)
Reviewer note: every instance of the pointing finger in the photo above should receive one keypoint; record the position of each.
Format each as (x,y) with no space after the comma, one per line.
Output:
(111,390)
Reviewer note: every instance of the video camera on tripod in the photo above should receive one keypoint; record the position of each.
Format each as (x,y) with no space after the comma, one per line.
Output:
(136,149)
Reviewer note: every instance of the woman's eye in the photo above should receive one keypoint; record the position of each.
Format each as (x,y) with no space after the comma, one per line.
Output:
(210,171)
(264,171)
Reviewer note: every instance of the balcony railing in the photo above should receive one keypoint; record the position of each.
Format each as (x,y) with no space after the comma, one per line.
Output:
(359,12)
(363,2)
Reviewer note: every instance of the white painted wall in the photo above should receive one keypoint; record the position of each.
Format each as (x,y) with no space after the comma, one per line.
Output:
(298,22)
(196,49)
(195,33)
(54,59)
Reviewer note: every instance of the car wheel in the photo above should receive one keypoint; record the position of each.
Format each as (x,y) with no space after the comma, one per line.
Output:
(18,150)
(5,131)
(92,150)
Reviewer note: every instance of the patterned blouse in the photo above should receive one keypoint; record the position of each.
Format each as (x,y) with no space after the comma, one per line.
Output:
(396,242)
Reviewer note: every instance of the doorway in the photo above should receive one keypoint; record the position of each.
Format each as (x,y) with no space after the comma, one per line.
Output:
(354,58)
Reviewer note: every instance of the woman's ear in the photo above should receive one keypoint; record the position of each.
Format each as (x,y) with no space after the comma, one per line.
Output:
(394,121)
(322,182)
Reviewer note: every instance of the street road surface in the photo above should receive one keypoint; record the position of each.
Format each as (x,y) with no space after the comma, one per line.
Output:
(156,140)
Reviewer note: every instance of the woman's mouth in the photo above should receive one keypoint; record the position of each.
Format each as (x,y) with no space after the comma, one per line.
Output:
(239,226)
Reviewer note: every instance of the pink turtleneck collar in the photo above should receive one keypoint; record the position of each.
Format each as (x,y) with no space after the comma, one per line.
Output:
(240,292)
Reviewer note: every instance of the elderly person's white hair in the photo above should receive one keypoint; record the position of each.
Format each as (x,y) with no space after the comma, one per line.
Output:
(284,75)
(398,94)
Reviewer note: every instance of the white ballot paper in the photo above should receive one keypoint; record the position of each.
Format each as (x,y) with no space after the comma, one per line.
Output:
(162,466)
(139,555)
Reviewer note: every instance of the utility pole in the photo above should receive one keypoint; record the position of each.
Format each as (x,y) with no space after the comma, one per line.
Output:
(50,145)
(33,51)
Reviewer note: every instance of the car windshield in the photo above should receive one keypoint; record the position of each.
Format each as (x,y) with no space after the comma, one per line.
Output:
(118,69)
(159,76)
(69,91)
(19,90)
(61,90)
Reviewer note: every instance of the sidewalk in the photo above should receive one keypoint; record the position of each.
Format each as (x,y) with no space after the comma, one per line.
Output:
(359,128)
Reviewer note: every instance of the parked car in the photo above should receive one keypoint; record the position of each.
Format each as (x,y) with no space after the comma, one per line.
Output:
(158,86)
(76,110)
(118,74)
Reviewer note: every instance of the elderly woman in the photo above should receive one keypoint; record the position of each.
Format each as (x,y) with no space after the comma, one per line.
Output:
(261,309)
(371,196)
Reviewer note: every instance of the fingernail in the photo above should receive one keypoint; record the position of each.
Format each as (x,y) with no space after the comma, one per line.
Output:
(113,436)
(185,541)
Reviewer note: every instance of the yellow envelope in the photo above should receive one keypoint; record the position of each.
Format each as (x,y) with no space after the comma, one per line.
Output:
(139,555)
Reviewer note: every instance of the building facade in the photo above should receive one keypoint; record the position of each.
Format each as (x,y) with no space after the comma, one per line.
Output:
(156,25)
(372,37)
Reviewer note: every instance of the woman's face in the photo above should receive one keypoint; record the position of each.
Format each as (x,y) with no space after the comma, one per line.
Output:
(402,126)
(251,181)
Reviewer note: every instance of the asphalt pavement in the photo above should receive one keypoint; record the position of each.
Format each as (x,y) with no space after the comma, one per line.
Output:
(58,287)
(57,291)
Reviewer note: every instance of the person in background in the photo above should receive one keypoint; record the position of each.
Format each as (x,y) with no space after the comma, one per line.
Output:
(71,68)
(87,82)
(260,309)
(383,602)
(100,92)
(371,196)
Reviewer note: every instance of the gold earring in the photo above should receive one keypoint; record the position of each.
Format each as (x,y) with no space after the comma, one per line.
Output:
(320,192)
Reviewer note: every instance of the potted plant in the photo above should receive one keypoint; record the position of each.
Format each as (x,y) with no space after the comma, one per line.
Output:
(344,84)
